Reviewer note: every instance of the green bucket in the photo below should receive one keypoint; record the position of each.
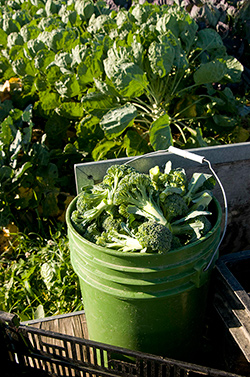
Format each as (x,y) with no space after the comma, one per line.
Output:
(153,303)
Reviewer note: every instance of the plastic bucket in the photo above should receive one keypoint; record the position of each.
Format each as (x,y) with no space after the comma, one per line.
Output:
(153,303)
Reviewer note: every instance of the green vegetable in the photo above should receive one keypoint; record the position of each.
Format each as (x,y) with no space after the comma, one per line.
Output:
(133,211)
(192,229)
(155,237)
(95,199)
(138,194)
(150,237)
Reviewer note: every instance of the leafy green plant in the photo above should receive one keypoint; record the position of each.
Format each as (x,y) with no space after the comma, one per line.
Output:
(97,84)
(131,81)
(36,277)
(30,183)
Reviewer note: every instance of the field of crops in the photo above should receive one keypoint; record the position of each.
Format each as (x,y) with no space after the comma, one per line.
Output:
(83,81)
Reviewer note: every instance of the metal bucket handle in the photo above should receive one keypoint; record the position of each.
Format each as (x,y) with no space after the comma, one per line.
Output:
(200,159)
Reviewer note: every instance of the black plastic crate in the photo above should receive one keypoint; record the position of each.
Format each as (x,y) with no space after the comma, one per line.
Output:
(232,303)
(27,348)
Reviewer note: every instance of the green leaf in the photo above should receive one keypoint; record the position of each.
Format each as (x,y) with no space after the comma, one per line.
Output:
(211,72)
(84,8)
(39,312)
(68,86)
(43,58)
(102,149)
(135,144)
(6,172)
(129,79)
(160,133)
(33,46)
(19,173)
(70,110)
(97,103)
(5,108)
(209,40)
(116,120)
(224,121)
(29,32)
(161,56)
(3,38)
(49,101)
(23,67)
(14,39)
(234,69)
(6,135)
(47,274)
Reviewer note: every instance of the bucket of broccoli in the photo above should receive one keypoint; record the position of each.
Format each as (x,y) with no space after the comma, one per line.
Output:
(140,244)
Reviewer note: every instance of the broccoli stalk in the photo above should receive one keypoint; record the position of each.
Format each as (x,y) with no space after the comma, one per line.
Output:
(150,237)
(119,241)
(138,194)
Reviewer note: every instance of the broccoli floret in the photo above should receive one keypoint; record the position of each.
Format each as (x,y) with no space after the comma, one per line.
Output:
(177,178)
(174,206)
(91,202)
(98,198)
(154,236)
(139,195)
(110,223)
(92,232)
(171,181)
(150,237)
(193,229)
(158,178)
(114,175)
(119,241)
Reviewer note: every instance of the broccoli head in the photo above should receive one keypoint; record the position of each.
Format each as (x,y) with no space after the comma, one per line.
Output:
(114,174)
(92,232)
(174,206)
(111,223)
(139,195)
(154,237)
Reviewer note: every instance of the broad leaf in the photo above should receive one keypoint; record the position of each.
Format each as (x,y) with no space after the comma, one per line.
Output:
(116,120)
(135,144)
(160,133)
(161,56)
(70,110)
(211,72)
(209,40)
(128,78)
(234,69)
(103,148)
(97,103)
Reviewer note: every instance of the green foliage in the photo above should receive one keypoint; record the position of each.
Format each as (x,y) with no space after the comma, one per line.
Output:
(30,181)
(97,84)
(37,279)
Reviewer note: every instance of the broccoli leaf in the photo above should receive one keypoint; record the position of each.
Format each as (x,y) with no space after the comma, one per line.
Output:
(161,56)
(116,120)
(210,72)
(160,133)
